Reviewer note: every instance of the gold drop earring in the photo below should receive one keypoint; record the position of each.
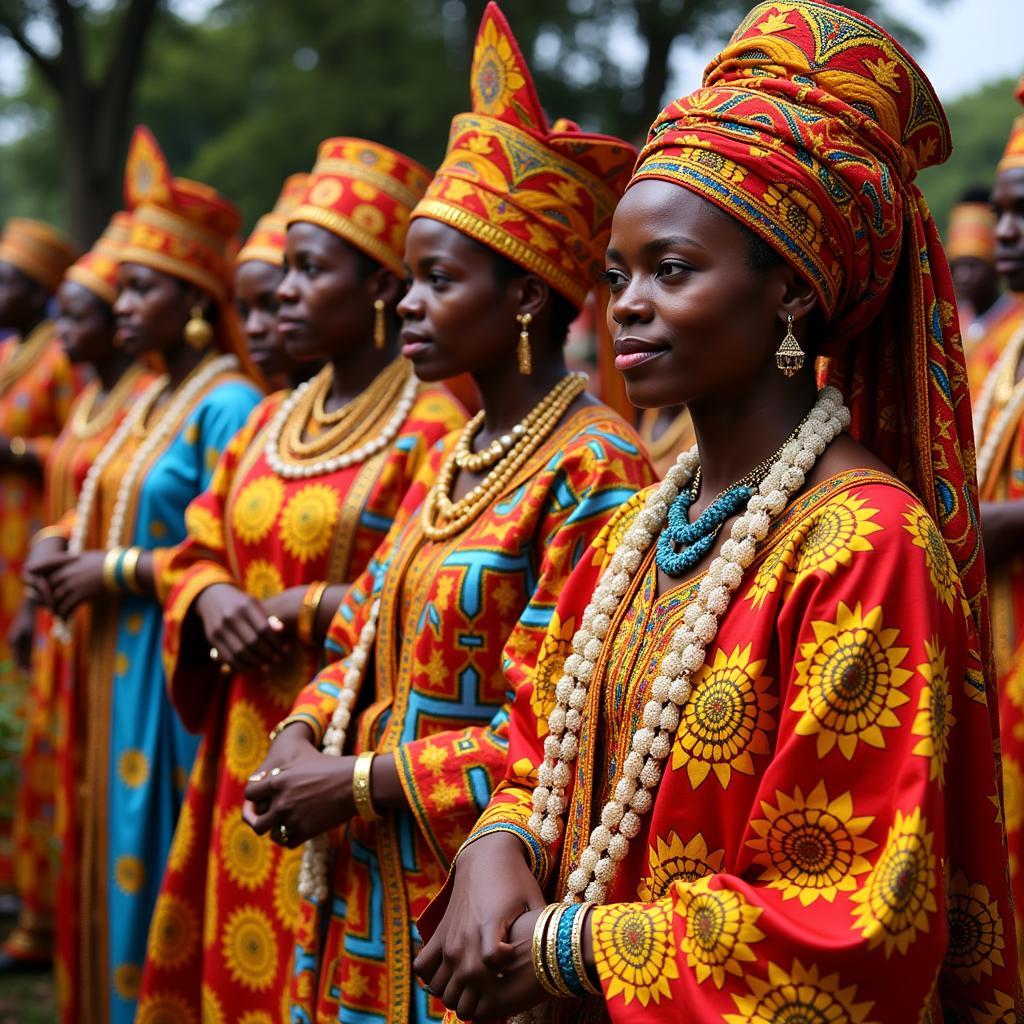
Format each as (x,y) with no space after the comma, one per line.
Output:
(379,324)
(789,357)
(198,332)
(523,348)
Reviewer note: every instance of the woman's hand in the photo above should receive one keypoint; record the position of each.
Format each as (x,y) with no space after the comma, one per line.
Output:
(77,580)
(21,632)
(474,942)
(244,633)
(300,788)
(518,989)
(43,558)
(286,606)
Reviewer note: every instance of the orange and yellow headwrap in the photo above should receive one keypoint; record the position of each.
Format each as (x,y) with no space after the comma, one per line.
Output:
(1013,155)
(267,241)
(972,232)
(809,129)
(37,250)
(180,227)
(364,193)
(97,269)
(541,196)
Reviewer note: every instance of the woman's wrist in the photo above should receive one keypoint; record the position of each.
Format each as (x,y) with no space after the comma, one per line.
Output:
(386,790)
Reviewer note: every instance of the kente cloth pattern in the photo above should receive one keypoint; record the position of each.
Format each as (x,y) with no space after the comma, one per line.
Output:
(97,270)
(37,250)
(37,387)
(998,326)
(186,229)
(267,242)
(40,826)
(131,752)
(1013,154)
(454,614)
(1005,482)
(263,534)
(809,129)
(542,195)
(363,192)
(827,821)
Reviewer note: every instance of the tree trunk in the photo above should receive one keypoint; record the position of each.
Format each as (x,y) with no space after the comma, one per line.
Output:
(658,36)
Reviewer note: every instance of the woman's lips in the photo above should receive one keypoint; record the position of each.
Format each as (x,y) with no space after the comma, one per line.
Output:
(414,345)
(632,352)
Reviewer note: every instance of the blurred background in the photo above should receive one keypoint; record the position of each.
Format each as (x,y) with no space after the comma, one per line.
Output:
(239,92)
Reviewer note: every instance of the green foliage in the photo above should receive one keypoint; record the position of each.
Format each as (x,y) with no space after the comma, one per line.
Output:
(980,123)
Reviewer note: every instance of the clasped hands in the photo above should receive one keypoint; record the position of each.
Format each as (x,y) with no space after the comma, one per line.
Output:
(479,960)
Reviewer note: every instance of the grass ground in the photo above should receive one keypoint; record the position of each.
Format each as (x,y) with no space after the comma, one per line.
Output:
(26,998)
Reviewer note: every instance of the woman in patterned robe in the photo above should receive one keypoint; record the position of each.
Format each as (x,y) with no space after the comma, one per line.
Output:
(823,839)
(273,541)
(462,592)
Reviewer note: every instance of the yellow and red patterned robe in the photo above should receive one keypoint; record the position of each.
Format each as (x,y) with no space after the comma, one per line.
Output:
(39,832)
(452,613)
(264,534)
(825,844)
(997,327)
(33,407)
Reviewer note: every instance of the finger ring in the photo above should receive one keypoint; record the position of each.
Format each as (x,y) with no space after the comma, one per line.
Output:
(274,621)
(214,654)
(274,772)
(500,976)
(282,833)
(257,776)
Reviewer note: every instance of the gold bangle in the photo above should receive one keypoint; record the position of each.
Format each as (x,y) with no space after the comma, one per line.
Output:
(110,560)
(18,447)
(577,950)
(130,569)
(551,952)
(361,786)
(539,967)
(305,625)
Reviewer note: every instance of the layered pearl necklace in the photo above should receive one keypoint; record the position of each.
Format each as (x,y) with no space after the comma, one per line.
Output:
(670,691)
(181,401)
(999,387)
(372,403)
(443,518)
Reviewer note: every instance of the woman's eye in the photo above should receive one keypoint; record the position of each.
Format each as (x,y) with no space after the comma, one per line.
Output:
(613,278)
(671,268)
(437,278)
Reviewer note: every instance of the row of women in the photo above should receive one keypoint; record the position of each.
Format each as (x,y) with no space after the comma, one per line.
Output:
(357,710)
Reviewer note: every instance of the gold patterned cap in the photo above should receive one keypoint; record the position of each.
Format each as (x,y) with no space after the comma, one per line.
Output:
(97,269)
(37,250)
(267,241)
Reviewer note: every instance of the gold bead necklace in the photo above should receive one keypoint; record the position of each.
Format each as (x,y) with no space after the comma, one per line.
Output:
(86,421)
(443,518)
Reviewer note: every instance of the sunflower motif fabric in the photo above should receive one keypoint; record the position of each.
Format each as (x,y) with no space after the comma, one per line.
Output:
(33,407)
(827,819)
(264,534)
(41,822)
(454,616)
(125,766)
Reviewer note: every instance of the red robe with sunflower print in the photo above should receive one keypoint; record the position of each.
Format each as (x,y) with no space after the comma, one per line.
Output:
(452,613)
(825,844)
(36,828)
(262,533)
(37,386)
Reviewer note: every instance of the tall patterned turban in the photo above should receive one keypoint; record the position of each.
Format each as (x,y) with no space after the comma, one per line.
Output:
(809,129)
(97,269)
(37,250)
(267,241)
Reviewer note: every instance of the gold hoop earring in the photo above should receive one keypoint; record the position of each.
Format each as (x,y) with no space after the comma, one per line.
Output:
(198,332)
(789,357)
(379,324)
(523,353)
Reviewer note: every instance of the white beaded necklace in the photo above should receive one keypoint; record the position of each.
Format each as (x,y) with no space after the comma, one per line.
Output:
(651,744)
(331,465)
(179,404)
(1005,365)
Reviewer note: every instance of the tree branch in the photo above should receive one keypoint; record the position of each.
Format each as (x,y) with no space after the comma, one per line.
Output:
(46,66)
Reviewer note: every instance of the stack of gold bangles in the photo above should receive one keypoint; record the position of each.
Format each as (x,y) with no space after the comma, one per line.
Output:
(121,570)
(558,951)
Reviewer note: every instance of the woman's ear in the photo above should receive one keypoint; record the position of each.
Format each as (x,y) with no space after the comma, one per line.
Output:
(195,296)
(533,294)
(385,284)
(797,298)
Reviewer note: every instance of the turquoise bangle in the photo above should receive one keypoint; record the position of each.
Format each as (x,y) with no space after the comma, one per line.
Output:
(119,570)
(566,962)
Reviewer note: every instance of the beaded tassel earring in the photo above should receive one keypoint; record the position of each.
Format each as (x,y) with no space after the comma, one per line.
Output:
(523,349)
(789,357)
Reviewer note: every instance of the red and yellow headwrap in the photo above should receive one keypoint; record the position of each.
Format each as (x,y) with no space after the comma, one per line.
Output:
(37,250)
(541,196)
(1013,155)
(97,269)
(972,232)
(267,241)
(809,129)
(364,193)
(181,227)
